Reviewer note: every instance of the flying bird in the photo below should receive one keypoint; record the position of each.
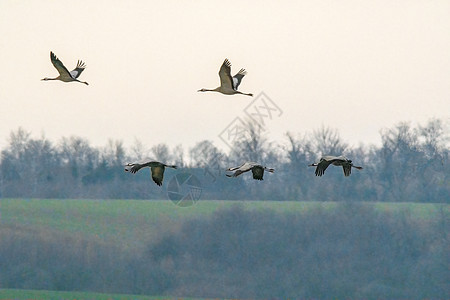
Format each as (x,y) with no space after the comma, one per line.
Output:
(257,170)
(228,84)
(64,74)
(156,169)
(325,161)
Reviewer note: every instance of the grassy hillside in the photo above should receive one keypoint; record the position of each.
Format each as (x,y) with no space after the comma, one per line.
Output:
(130,222)
(18,294)
(318,249)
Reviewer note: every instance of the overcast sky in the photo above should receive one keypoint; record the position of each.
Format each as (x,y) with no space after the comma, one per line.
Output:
(357,66)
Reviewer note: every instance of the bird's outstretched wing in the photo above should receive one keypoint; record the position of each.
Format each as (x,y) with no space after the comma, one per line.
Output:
(236,174)
(245,167)
(238,78)
(238,167)
(258,173)
(59,65)
(78,69)
(347,169)
(134,168)
(322,166)
(226,81)
(158,174)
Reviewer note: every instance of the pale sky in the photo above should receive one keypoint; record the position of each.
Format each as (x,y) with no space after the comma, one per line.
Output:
(357,66)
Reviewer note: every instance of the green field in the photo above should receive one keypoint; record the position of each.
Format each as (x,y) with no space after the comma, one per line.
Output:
(132,222)
(50,295)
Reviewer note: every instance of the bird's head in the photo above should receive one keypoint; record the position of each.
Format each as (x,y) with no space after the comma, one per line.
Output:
(127,167)
(45,79)
(201,90)
(270,170)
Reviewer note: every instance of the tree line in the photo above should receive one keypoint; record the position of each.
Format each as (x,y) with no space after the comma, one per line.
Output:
(411,164)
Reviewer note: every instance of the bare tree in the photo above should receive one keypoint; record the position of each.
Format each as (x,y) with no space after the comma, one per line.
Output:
(31,163)
(77,153)
(298,150)
(178,156)
(161,153)
(114,153)
(400,161)
(327,141)
(435,138)
(299,153)
(207,156)
(204,153)
(138,151)
(253,145)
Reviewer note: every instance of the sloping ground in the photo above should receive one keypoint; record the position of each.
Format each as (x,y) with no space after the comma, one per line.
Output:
(132,222)
(48,295)
(313,249)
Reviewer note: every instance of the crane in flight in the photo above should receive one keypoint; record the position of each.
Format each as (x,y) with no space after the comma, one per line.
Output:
(257,170)
(325,161)
(156,168)
(228,85)
(64,74)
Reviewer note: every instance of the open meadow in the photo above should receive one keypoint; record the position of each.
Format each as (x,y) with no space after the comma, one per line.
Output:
(132,222)
(221,249)
(10,294)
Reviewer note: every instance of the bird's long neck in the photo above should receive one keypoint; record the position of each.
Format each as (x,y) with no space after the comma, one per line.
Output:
(249,94)
(82,81)
(208,90)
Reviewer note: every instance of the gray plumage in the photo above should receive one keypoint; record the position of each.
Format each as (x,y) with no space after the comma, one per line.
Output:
(156,169)
(64,74)
(325,161)
(228,84)
(257,170)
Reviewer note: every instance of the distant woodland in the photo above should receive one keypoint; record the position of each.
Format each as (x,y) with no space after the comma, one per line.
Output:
(412,164)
